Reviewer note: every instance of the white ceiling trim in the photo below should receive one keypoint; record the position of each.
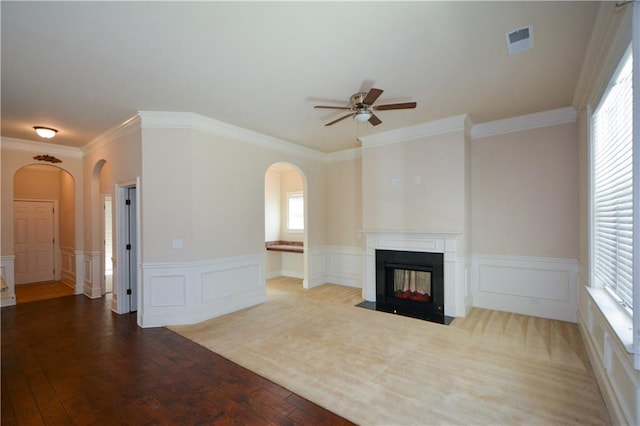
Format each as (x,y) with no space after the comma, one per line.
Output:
(189,120)
(525,122)
(436,127)
(345,154)
(122,129)
(25,145)
(609,40)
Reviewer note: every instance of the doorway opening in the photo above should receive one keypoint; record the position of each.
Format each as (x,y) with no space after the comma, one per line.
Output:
(44,232)
(126,289)
(286,224)
(107,233)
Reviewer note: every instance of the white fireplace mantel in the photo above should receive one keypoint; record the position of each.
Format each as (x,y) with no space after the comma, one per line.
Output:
(455,287)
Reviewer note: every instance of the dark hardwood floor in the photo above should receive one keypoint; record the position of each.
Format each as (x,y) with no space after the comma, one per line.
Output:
(72,361)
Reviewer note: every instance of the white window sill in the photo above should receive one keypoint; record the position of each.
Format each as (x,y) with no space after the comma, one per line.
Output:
(616,315)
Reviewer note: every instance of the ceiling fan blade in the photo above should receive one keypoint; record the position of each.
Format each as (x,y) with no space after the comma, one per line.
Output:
(339,119)
(374,120)
(330,107)
(405,105)
(372,96)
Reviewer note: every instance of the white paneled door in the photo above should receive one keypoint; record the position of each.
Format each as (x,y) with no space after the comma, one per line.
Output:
(33,241)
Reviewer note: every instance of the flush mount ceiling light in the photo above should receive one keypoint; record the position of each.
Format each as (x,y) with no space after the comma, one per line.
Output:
(45,132)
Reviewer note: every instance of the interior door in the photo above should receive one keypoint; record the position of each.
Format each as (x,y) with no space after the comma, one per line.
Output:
(131,245)
(33,241)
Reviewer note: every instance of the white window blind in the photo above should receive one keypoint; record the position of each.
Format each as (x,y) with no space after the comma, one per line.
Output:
(613,186)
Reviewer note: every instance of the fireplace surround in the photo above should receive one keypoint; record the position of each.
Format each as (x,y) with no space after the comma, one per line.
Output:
(455,300)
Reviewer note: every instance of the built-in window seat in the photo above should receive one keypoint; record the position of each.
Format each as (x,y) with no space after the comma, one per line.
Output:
(288,246)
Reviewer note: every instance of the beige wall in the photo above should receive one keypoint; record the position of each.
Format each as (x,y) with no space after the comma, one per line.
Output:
(392,198)
(37,182)
(525,193)
(120,154)
(344,209)
(13,160)
(50,183)
(290,181)
(213,198)
(272,205)
(67,211)
(583,188)
(278,181)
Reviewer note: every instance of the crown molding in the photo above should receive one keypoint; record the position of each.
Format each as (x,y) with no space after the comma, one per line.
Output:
(524,122)
(344,155)
(25,145)
(612,34)
(189,120)
(129,125)
(432,128)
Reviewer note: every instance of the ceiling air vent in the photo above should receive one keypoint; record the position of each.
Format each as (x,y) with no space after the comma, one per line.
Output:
(519,40)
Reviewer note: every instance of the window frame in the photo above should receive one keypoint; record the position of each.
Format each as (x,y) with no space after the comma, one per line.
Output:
(595,282)
(288,197)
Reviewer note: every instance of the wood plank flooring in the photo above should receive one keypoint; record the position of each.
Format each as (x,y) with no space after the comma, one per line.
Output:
(71,360)
(42,291)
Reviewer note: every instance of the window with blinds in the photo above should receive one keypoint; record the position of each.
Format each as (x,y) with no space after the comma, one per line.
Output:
(612,212)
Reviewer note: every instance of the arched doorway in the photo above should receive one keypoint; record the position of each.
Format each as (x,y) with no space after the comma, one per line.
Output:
(286,224)
(44,232)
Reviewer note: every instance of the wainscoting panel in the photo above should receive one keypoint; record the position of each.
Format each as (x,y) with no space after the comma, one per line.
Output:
(345,266)
(168,290)
(543,287)
(609,353)
(68,266)
(292,265)
(317,259)
(8,297)
(80,271)
(187,293)
(92,279)
(88,274)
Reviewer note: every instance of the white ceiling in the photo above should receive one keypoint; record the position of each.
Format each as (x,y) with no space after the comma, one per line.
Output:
(84,67)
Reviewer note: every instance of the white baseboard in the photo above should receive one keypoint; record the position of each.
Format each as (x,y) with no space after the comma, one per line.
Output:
(543,287)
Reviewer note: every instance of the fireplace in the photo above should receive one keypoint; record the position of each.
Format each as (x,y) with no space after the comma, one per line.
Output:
(411,284)
(446,244)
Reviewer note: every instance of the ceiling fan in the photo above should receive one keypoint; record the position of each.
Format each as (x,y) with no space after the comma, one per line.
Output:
(362,107)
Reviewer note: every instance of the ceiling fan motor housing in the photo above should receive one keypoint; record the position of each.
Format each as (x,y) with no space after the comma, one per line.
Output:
(357,100)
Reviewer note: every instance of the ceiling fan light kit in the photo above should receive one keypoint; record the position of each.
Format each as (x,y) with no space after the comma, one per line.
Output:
(362,107)
(362,116)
